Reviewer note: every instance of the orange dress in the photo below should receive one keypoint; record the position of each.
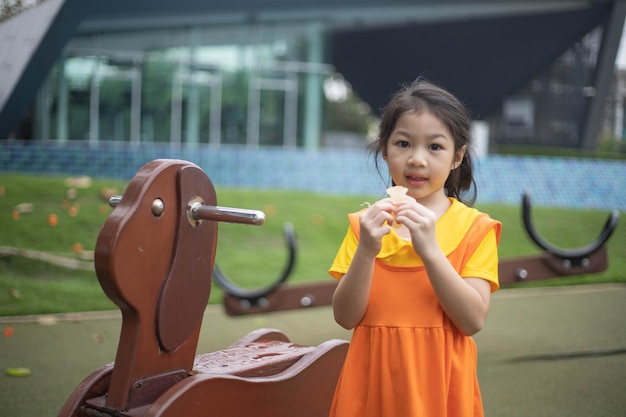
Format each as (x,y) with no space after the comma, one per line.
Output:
(406,358)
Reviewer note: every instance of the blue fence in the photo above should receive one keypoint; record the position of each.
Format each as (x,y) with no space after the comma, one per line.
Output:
(555,182)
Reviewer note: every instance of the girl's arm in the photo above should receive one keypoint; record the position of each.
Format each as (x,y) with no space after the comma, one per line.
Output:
(465,300)
(352,293)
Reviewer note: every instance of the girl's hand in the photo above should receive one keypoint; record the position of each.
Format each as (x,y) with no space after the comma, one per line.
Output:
(421,223)
(374,224)
(351,296)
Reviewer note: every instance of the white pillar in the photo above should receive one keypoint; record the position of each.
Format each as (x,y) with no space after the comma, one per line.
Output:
(480,135)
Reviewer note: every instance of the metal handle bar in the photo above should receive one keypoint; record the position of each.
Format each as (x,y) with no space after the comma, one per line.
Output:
(197,211)
(200,211)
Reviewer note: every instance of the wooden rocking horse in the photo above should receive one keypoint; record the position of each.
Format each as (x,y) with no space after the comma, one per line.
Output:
(154,258)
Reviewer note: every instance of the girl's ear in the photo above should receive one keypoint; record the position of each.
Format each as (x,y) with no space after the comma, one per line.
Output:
(459,157)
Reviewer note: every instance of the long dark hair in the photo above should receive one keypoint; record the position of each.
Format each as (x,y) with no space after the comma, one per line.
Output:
(422,95)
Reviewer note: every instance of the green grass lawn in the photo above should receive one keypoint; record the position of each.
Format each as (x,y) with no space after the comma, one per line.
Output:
(250,256)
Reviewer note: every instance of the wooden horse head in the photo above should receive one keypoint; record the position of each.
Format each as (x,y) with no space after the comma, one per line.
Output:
(155,262)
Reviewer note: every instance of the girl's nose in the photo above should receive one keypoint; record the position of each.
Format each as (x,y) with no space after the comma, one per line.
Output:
(417,158)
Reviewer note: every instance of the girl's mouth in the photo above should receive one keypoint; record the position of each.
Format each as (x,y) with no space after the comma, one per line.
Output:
(416,180)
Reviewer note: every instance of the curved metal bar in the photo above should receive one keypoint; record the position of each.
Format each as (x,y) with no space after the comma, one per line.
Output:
(254,295)
(575,253)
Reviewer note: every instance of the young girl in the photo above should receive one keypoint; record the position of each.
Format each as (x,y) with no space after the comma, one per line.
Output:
(416,274)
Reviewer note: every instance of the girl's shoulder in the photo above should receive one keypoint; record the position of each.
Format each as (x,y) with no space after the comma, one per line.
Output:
(459,220)
(458,212)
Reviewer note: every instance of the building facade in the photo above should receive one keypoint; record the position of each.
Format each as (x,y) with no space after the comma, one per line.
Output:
(263,73)
(253,85)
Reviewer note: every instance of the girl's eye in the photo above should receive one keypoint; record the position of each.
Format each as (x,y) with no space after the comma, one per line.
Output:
(435,147)
(403,144)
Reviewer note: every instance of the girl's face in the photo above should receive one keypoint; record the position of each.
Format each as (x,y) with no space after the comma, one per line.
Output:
(420,154)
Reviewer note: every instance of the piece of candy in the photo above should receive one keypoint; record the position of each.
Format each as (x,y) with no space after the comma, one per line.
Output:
(398,193)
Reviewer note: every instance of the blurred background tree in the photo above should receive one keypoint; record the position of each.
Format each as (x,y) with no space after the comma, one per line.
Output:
(347,112)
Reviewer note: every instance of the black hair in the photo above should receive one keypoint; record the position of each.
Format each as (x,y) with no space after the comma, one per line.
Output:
(422,95)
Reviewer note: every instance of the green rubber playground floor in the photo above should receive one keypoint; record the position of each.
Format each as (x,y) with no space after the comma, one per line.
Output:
(543,353)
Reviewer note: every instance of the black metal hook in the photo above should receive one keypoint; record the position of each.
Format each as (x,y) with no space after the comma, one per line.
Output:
(575,254)
(253,296)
